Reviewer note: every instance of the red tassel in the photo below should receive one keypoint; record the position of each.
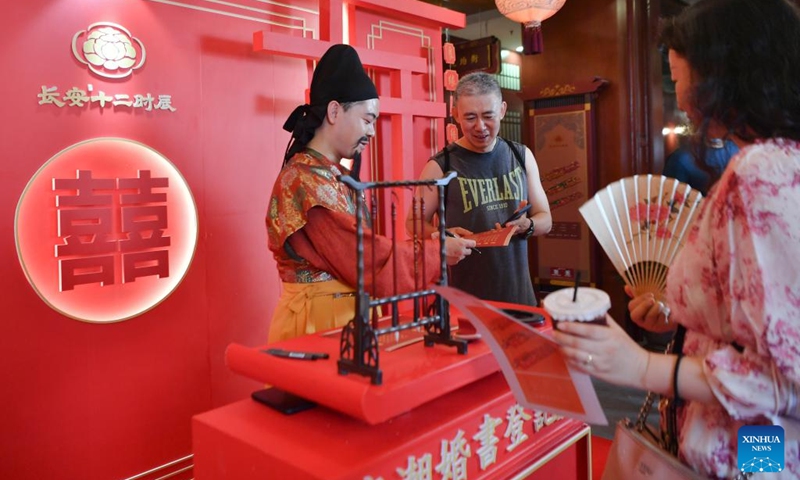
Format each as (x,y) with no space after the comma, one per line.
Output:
(532,41)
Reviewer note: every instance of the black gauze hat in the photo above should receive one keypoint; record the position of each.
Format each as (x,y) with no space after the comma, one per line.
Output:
(339,76)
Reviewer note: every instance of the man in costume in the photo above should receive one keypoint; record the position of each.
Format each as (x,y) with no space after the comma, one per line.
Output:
(311,218)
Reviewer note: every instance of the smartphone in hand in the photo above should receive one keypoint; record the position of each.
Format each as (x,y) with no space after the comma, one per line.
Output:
(518,214)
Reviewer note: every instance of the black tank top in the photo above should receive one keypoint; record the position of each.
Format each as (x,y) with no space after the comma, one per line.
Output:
(488,189)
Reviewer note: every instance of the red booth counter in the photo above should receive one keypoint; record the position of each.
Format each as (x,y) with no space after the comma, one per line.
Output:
(476,432)
(437,414)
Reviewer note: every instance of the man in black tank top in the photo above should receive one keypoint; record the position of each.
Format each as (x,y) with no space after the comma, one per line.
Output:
(496,177)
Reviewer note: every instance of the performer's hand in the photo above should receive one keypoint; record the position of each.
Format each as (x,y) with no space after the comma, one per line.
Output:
(649,313)
(456,249)
(459,231)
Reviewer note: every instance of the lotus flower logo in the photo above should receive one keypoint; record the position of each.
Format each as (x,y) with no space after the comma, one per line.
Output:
(108,49)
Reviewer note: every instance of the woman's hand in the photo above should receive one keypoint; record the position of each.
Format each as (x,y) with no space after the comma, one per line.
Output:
(606,352)
(649,313)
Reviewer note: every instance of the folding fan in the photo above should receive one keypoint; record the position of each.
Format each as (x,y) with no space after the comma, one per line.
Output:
(640,222)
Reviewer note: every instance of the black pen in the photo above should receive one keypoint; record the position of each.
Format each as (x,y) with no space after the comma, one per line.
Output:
(453,235)
(296,355)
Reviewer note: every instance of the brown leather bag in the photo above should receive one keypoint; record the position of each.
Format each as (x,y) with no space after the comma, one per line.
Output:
(636,453)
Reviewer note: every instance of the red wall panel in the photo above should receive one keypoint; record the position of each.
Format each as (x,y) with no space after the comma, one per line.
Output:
(99,401)
(111,400)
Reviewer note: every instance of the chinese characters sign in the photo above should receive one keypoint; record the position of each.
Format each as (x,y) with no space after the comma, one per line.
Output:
(106,230)
(531,361)
(482,55)
(109,51)
(475,451)
(79,98)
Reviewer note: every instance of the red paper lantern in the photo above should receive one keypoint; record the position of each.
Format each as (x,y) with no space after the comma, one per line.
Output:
(530,12)
(450,80)
(451,132)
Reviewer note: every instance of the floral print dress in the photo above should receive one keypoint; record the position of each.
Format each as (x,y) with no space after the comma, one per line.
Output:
(735,286)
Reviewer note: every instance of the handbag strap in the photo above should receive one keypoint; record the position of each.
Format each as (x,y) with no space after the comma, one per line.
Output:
(674,345)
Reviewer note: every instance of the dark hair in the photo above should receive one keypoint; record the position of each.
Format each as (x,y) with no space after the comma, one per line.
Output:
(745,62)
(308,121)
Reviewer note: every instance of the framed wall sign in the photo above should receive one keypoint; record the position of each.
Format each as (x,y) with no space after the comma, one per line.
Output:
(482,55)
(561,126)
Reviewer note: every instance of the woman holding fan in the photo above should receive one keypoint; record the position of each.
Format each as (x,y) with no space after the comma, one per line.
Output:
(734,288)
